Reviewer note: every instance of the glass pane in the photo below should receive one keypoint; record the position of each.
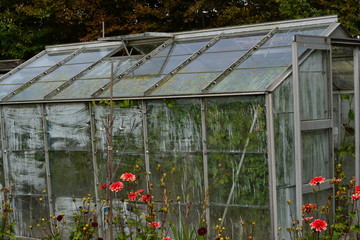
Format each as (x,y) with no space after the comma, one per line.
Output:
(65,72)
(48,59)
(184,176)
(245,80)
(71,173)
(132,86)
(343,68)
(283,38)
(218,61)
(7,89)
(235,43)
(24,75)
(314,86)
(92,55)
(68,126)
(316,154)
(127,127)
(183,48)
(27,172)
(81,89)
(268,57)
(103,69)
(185,83)
(229,132)
(37,91)
(174,125)
(23,127)
(29,209)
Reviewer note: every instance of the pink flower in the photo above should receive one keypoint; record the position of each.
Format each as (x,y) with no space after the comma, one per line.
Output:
(146,198)
(306,219)
(336,180)
(307,208)
(128,177)
(167,238)
(319,225)
(154,224)
(357,189)
(116,186)
(317,181)
(103,186)
(355,196)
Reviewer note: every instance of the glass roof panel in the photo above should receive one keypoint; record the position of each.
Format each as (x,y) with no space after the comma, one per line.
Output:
(186,84)
(6,89)
(48,60)
(65,72)
(24,75)
(235,43)
(214,61)
(245,80)
(268,57)
(91,55)
(131,87)
(181,48)
(102,70)
(284,38)
(36,91)
(81,89)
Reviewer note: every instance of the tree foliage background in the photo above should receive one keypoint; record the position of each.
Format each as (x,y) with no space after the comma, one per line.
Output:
(26,26)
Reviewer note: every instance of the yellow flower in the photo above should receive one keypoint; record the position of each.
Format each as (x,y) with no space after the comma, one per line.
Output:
(31,227)
(44,191)
(220,219)
(40,199)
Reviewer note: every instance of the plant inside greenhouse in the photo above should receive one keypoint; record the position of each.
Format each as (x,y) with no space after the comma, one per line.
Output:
(242,132)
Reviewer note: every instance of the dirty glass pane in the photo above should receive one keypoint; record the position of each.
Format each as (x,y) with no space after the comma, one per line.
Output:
(65,72)
(183,48)
(92,55)
(68,126)
(132,86)
(71,173)
(268,57)
(314,86)
(235,43)
(316,154)
(23,127)
(7,89)
(174,125)
(48,59)
(238,221)
(247,175)
(103,69)
(37,91)
(184,176)
(244,80)
(27,172)
(81,89)
(343,68)
(283,38)
(188,83)
(24,75)
(127,126)
(236,124)
(29,210)
(217,61)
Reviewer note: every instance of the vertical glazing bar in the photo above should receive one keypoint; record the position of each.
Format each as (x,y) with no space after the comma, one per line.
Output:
(205,159)
(271,164)
(146,141)
(356,54)
(95,168)
(47,161)
(297,130)
(4,149)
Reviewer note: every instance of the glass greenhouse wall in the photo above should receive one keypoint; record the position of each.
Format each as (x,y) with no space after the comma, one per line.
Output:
(240,118)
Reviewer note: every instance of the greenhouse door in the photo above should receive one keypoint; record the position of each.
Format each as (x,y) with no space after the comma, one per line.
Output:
(312,117)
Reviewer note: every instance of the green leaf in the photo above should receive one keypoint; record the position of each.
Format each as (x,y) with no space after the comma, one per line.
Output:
(351,115)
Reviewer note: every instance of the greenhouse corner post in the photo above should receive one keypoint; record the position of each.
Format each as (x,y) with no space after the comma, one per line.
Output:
(357,111)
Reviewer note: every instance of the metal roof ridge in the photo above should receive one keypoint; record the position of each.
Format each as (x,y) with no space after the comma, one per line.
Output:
(74,46)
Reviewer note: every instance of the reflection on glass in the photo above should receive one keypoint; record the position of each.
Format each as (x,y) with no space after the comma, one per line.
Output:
(37,91)
(24,75)
(235,43)
(342,68)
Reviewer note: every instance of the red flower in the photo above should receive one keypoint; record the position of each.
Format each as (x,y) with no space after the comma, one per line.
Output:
(94,224)
(103,186)
(355,196)
(132,196)
(336,180)
(319,225)
(317,181)
(306,219)
(307,208)
(167,238)
(128,177)
(116,186)
(146,198)
(139,192)
(59,218)
(154,224)
(202,231)
(357,189)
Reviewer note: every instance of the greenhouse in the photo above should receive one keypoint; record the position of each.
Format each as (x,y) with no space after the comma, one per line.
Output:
(240,118)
